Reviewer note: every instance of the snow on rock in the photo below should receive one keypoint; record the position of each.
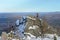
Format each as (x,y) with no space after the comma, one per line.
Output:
(29,38)
(48,37)
(20,26)
(31,18)
(29,34)
(17,22)
(33,27)
(15,39)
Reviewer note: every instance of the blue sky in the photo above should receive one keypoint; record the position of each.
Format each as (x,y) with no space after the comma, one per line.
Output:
(29,5)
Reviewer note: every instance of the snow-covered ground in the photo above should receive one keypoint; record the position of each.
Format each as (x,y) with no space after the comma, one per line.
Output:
(47,37)
(31,37)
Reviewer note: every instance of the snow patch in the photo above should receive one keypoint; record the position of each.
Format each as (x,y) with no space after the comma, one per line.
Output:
(33,27)
(31,18)
(17,22)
